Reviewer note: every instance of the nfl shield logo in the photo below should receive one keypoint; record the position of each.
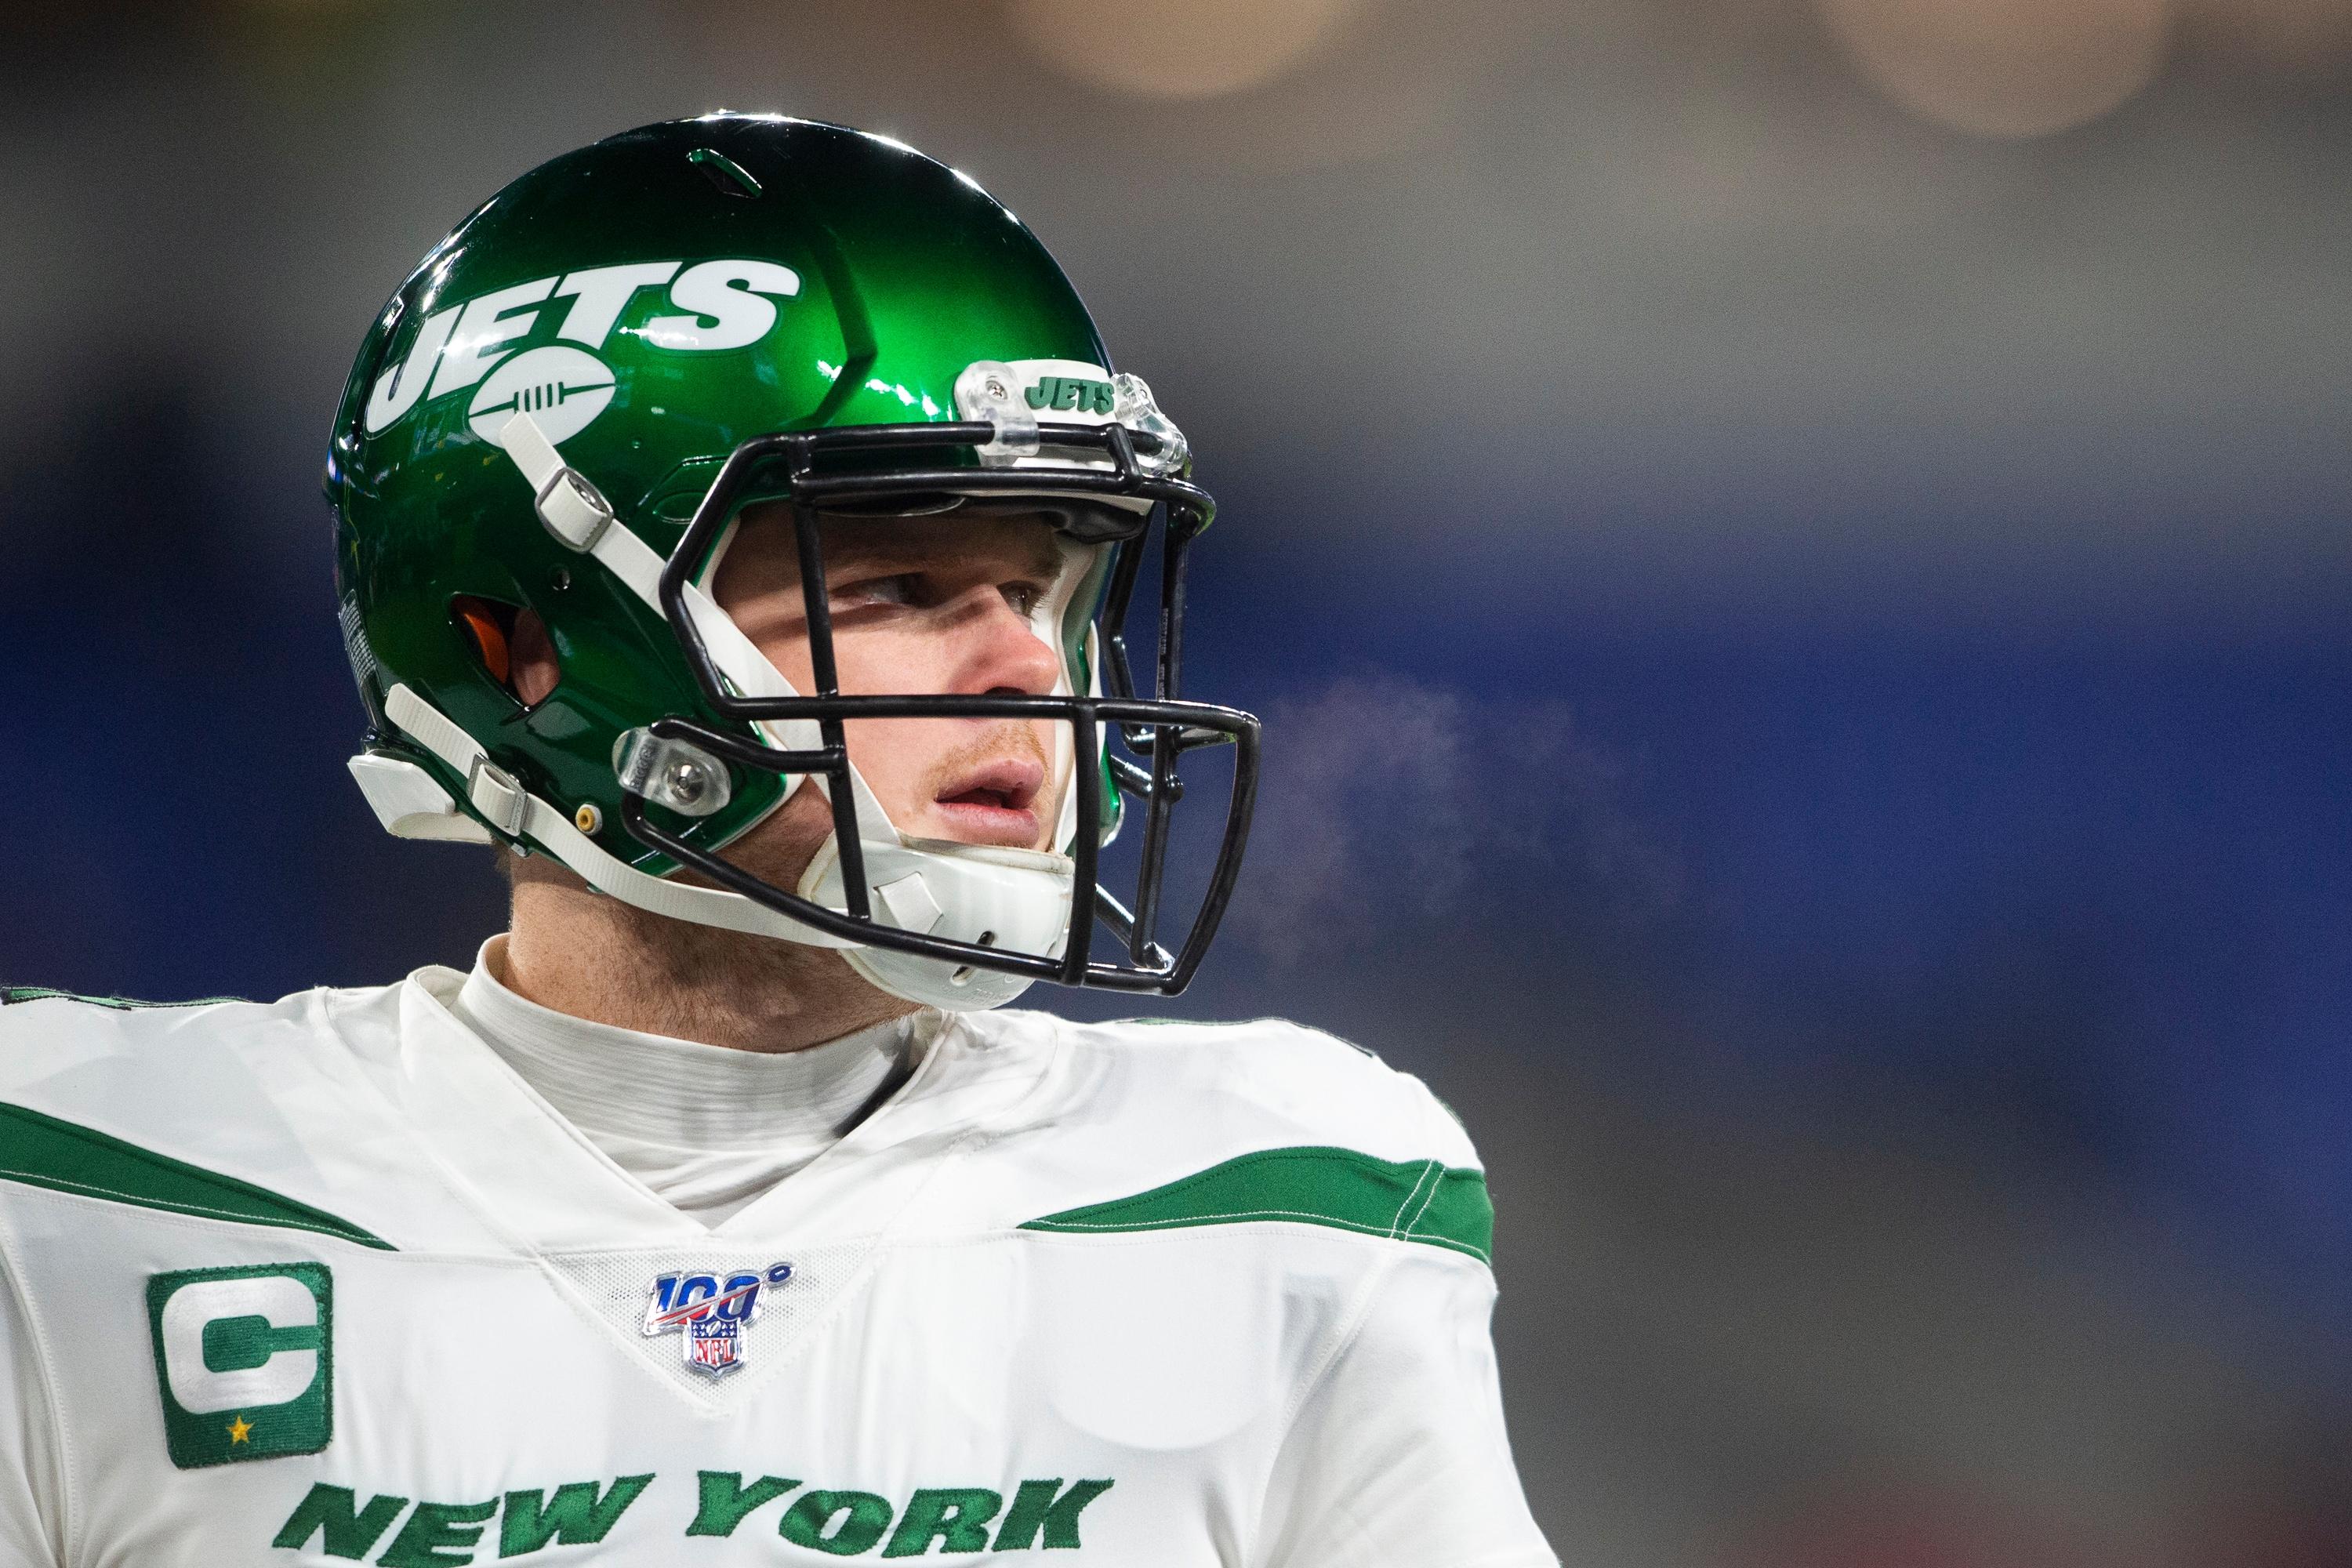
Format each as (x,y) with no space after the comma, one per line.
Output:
(713,1343)
(708,1312)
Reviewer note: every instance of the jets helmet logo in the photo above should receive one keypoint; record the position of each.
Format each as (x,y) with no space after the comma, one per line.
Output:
(709,1314)
(727,303)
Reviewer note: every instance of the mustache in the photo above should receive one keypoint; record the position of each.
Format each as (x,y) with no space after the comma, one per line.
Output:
(1002,737)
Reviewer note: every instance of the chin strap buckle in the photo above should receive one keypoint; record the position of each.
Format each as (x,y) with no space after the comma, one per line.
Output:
(497,795)
(568,504)
(573,509)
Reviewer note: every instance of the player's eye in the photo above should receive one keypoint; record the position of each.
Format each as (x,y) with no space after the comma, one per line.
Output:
(897,589)
(1025,597)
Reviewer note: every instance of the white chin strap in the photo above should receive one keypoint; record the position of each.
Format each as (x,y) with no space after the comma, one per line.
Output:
(1017,900)
(412,804)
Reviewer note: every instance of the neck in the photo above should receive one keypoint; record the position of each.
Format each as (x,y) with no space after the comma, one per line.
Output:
(572,950)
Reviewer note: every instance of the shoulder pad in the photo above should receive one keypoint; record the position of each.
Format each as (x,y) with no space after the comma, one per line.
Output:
(1167,1126)
(226,1109)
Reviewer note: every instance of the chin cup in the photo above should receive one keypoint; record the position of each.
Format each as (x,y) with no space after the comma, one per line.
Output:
(1016,900)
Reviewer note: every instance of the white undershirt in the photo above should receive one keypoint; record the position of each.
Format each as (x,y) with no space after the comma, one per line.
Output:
(708,1128)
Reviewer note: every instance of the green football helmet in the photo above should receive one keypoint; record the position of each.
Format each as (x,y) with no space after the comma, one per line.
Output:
(564,410)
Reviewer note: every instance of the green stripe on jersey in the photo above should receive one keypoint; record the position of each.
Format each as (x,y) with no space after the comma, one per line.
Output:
(1416,1201)
(12,994)
(43,1152)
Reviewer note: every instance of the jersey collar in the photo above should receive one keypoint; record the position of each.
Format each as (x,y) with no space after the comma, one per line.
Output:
(535,1179)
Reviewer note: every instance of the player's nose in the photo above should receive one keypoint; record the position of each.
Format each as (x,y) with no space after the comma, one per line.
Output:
(1005,653)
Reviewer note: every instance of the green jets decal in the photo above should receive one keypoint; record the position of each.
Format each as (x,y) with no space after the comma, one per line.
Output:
(1058,394)
(1419,1201)
(1042,1515)
(243,1361)
(64,1156)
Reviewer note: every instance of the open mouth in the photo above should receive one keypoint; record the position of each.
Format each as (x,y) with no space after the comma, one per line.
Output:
(993,802)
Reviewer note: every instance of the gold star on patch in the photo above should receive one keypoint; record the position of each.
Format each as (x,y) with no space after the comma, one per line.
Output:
(240,1429)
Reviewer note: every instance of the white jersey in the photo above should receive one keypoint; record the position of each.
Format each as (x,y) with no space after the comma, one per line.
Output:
(324,1281)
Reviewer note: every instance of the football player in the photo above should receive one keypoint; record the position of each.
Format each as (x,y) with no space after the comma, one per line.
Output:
(736,521)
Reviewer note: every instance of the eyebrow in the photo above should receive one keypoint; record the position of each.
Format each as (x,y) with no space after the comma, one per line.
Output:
(1046,560)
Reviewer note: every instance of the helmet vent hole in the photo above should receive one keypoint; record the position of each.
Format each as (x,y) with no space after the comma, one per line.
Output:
(731,178)
(489,631)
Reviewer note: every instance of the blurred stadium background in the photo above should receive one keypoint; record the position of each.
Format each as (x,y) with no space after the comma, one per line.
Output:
(1795,553)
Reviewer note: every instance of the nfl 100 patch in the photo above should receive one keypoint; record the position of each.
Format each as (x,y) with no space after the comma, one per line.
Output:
(709,1313)
(243,1361)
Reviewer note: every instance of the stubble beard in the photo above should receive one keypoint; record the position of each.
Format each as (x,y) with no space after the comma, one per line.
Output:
(596,957)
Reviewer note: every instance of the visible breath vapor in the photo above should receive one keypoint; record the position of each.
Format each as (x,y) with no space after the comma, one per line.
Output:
(1389,803)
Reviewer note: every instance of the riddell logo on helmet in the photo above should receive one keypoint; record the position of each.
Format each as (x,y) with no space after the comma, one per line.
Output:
(563,384)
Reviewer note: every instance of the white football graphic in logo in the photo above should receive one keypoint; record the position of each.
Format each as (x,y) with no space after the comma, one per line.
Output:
(563,389)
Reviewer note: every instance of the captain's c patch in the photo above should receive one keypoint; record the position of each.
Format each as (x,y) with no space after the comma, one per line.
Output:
(243,1361)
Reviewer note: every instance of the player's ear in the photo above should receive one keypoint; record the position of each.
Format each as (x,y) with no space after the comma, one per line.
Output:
(534,666)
